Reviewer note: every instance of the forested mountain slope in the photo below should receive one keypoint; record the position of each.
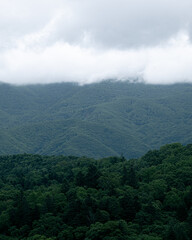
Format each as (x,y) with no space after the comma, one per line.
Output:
(78,198)
(96,120)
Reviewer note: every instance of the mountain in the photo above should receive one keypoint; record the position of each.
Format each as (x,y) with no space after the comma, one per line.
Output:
(96,120)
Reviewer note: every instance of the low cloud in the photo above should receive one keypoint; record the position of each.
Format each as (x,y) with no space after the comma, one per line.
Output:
(90,41)
(167,63)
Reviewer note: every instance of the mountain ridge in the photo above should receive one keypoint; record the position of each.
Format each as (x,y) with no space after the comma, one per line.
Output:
(97,120)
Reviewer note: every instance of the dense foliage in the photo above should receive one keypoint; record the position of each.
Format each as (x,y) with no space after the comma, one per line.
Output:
(96,120)
(77,198)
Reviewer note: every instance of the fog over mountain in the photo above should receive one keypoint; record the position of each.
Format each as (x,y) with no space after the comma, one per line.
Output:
(45,41)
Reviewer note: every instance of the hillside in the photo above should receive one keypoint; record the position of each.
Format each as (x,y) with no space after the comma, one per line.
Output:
(97,120)
(78,198)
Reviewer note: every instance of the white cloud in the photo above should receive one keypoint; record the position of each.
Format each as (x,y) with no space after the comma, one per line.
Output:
(87,41)
(166,63)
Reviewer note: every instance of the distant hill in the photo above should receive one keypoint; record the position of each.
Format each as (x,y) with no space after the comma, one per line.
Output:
(97,120)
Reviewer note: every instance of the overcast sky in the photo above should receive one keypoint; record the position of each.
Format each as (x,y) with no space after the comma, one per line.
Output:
(43,41)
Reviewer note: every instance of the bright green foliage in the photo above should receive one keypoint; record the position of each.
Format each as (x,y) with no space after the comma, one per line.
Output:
(73,198)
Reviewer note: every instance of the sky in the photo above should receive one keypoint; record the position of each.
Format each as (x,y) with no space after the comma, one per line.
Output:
(86,41)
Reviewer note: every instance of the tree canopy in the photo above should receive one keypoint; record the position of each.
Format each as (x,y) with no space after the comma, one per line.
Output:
(79,198)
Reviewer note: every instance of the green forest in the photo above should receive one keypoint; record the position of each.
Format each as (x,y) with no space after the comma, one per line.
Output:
(97,120)
(80,198)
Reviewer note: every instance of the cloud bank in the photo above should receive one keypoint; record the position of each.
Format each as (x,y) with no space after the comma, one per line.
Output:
(90,41)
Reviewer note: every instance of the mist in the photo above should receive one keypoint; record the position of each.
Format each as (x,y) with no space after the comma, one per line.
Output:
(87,42)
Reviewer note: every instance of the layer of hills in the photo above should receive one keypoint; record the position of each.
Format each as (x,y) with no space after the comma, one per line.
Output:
(79,198)
(96,120)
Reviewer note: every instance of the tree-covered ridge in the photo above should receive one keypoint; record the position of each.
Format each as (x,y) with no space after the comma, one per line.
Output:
(73,198)
(96,120)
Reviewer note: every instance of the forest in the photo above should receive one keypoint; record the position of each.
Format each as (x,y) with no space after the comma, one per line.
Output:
(80,198)
(96,120)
